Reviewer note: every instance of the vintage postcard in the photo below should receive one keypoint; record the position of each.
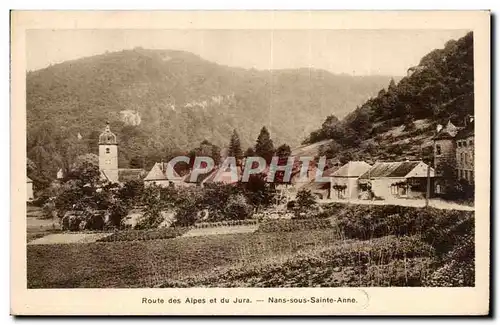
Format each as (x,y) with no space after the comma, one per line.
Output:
(250,163)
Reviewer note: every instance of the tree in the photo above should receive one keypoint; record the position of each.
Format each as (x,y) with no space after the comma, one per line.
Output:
(392,85)
(264,146)
(81,160)
(153,206)
(284,152)
(205,149)
(250,152)
(136,162)
(305,200)
(330,150)
(259,191)
(235,146)
(131,192)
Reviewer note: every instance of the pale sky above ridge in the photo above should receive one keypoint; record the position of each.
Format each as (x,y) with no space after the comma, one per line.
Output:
(354,52)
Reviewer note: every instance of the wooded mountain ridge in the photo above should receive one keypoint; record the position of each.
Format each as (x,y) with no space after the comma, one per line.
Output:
(160,102)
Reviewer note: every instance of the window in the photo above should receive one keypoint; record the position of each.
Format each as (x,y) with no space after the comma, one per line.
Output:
(438,149)
(459,144)
(394,190)
(471,143)
(107,150)
(462,158)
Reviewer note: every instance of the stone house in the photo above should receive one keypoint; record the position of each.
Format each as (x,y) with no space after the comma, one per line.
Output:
(465,153)
(454,154)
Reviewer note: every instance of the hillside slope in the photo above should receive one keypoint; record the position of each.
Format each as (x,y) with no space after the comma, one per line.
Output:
(399,122)
(160,101)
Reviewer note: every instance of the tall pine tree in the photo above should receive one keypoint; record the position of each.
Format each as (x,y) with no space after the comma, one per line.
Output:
(264,146)
(249,152)
(235,146)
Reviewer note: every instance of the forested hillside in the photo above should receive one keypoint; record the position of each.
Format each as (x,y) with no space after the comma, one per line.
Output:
(399,121)
(161,102)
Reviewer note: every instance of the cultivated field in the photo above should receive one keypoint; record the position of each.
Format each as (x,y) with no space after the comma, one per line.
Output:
(356,245)
(150,263)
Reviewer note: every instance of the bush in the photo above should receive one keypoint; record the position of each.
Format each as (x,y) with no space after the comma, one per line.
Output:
(49,210)
(305,200)
(291,205)
(237,208)
(83,220)
(459,190)
(117,214)
(458,267)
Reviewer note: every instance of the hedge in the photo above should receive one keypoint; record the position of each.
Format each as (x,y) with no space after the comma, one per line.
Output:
(289,225)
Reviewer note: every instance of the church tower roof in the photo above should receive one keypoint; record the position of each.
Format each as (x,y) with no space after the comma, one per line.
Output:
(107,137)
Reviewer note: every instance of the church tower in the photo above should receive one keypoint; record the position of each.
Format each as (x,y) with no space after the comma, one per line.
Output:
(108,155)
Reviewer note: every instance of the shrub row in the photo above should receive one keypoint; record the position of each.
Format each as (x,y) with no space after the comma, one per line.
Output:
(245,222)
(369,221)
(131,235)
(289,225)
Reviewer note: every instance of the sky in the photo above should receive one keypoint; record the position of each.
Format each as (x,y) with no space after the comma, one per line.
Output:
(354,52)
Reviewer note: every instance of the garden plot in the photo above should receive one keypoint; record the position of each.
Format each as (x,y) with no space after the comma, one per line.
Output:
(68,238)
(223,230)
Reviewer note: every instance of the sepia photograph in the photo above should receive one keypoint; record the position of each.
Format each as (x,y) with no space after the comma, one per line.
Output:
(251,158)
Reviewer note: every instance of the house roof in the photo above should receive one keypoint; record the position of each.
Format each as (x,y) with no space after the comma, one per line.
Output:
(226,176)
(447,132)
(390,169)
(352,169)
(200,177)
(129,174)
(159,172)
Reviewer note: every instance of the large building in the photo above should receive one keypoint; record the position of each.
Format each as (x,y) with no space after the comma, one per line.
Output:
(454,154)
(108,160)
(465,153)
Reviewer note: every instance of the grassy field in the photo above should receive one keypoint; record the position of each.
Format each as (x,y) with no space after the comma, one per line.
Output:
(151,263)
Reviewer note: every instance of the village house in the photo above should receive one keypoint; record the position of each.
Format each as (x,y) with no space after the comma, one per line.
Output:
(158,176)
(402,179)
(226,176)
(344,181)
